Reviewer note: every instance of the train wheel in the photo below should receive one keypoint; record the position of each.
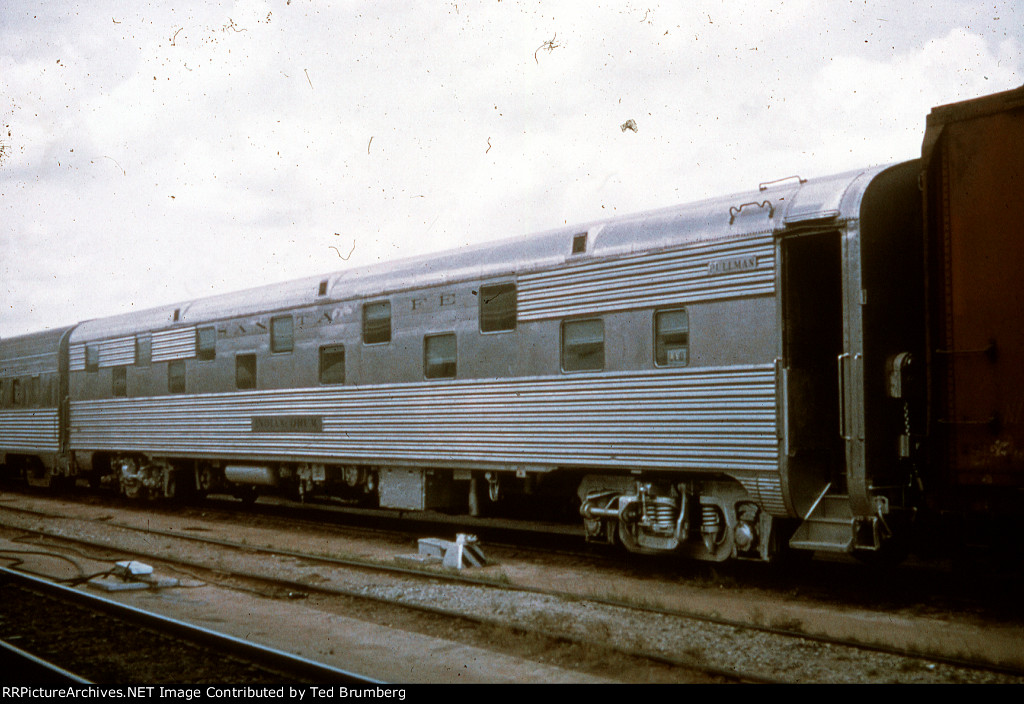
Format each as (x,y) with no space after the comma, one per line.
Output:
(629,540)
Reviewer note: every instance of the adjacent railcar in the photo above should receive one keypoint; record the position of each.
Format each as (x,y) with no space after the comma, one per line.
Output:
(973,177)
(722,379)
(33,427)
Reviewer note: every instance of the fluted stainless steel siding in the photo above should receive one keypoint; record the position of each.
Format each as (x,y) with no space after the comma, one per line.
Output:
(113,353)
(713,419)
(29,430)
(117,352)
(29,365)
(766,489)
(174,344)
(645,280)
(76,358)
(179,343)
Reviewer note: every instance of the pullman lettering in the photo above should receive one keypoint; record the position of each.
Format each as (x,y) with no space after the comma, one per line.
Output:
(729,266)
(287,424)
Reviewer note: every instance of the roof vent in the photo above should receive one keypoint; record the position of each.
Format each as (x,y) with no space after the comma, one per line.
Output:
(579,243)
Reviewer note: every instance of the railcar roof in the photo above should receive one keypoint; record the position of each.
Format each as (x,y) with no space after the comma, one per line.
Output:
(30,354)
(31,344)
(737,215)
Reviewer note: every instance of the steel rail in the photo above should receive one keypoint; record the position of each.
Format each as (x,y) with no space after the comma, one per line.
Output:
(268,657)
(484,582)
(21,666)
(304,587)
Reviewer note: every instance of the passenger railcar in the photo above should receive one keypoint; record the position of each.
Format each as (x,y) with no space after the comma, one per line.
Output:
(33,405)
(721,379)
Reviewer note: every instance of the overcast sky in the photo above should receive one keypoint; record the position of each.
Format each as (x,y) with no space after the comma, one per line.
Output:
(154,152)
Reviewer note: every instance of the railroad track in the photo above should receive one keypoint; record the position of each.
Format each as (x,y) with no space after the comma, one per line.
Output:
(67,635)
(407,593)
(714,646)
(28,668)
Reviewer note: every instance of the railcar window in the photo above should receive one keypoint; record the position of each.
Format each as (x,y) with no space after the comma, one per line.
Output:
(3,393)
(33,391)
(206,343)
(281,337)
(17,394)
(672,338)
(377,322)
(582,345)
(497,307)
(92,358)
(245,371)
(440,356)
(143,350)
(120,381)
(332,364)
(176,376)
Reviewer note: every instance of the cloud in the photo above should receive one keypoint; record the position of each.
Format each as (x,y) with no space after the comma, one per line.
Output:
(176,153)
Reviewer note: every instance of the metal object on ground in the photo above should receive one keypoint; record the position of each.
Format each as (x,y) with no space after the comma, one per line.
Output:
(463,552)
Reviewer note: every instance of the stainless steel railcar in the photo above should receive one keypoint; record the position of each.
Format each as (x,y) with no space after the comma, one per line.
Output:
(718,379)
(33,383)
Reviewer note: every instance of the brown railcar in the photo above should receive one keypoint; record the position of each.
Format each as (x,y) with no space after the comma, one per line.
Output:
(973,166)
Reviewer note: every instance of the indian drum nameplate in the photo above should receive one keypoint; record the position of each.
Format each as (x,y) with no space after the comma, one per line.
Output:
(287,424)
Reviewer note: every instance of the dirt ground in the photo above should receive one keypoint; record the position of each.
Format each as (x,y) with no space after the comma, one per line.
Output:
(398,655)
